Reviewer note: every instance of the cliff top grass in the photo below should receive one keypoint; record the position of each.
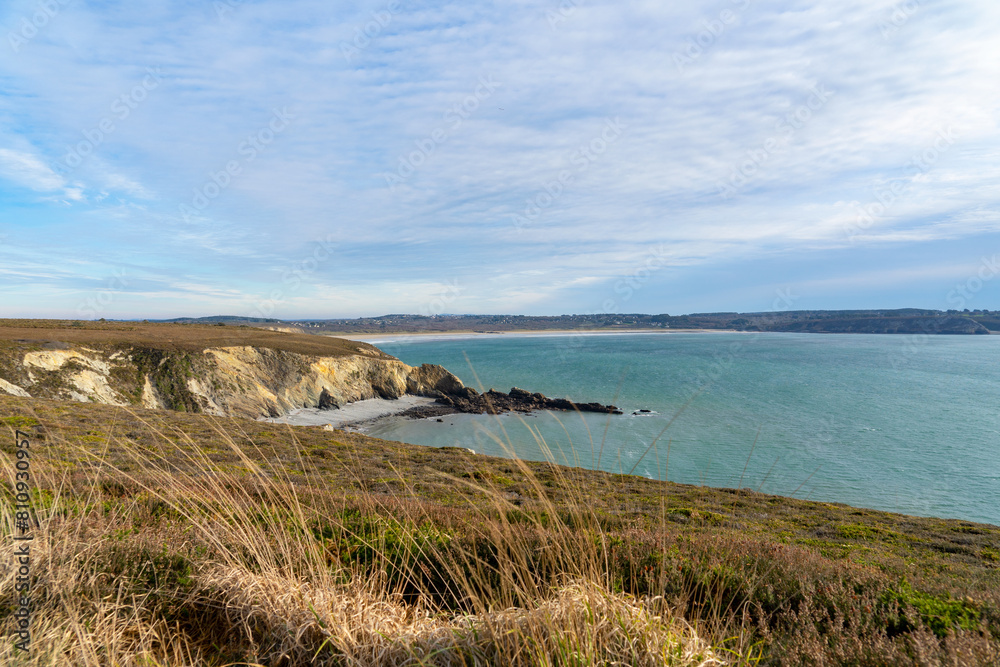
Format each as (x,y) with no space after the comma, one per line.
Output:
(170,336)
(257,532)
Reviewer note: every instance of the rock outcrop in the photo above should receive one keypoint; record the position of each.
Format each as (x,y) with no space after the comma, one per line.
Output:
(467,399)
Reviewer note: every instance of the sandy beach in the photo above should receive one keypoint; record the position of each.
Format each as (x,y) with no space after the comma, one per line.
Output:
(353,415)
(372,338)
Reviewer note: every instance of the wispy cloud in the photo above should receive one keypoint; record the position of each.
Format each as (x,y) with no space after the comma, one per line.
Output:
(159,101)
(28,171)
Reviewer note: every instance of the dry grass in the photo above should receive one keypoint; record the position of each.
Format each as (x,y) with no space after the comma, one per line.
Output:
(168,567)
(580,624)
(184,539)
(175,337)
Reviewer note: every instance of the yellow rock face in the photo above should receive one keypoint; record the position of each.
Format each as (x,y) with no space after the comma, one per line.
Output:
(13,389)
(94,386)
(230,381)
(53,360)
(275,382)
(150,397)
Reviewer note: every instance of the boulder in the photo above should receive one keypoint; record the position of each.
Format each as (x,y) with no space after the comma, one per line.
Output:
(327,401)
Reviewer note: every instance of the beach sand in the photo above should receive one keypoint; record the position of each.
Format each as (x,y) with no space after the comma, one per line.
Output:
(353,416)
(369,338)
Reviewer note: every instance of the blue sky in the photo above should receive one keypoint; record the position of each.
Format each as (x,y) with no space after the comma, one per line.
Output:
(301,159)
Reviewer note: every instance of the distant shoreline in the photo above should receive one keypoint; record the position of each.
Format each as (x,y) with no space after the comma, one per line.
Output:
(529,332)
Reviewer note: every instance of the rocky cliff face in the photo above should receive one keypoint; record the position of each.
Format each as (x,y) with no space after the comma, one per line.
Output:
(226,381)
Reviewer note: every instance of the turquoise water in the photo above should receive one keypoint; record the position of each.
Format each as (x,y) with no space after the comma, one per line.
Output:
(899,423)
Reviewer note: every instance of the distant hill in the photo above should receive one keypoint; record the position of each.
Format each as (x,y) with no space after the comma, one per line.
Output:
(227,319)
(898,321)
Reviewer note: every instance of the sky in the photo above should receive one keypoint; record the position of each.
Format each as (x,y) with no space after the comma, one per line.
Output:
(305,159)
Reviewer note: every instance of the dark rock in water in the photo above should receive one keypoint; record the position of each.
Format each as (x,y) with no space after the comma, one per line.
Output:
(467,393)
(327,402)
(427,411)
(517,400)
(562,404)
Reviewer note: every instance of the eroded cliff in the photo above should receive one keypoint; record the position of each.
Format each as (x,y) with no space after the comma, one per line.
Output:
(241,380)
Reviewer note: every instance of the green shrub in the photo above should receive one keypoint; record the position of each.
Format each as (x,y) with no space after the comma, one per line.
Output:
(19,422)
(940,614)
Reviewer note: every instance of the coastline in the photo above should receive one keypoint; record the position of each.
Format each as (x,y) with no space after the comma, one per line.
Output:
(368,338)
(352,416)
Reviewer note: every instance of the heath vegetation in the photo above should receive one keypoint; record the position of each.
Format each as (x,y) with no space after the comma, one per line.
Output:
(172,538)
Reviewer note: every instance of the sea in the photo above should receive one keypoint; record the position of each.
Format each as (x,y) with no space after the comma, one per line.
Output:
(901,423)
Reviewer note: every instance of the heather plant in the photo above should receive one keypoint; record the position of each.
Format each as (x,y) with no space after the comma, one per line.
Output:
(185,539)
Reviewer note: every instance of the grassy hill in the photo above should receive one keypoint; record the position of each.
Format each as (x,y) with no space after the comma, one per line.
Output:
(175,337)
(174,538)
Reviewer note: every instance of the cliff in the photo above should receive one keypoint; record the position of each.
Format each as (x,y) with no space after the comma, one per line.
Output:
(233,380)
(228,371)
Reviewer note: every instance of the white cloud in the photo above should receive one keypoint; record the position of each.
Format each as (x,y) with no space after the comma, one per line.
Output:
(29,171)
(685,131)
